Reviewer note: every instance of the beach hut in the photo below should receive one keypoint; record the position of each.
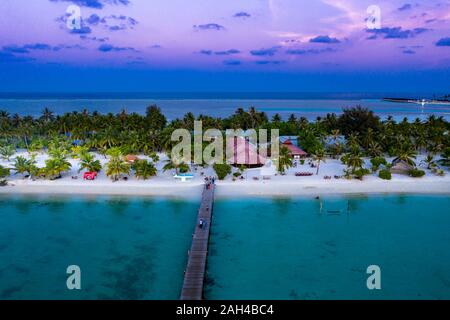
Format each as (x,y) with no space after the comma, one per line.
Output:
(294,151)
(401,167)
(243,152)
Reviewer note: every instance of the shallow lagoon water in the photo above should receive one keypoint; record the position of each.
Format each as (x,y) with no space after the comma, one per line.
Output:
(127,248)
(265,248)
(261,248)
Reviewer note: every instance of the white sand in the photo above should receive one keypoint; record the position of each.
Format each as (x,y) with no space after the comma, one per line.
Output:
(289,185)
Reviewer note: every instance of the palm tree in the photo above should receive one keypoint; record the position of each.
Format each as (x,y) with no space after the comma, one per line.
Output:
(54,167)
(79,152)
(429,161)
(445,161)
(88,163)
(47,115)
(374,149)
(406,154)
(319,156)
(144,169)
(154,156)
(336,150)
(353,141)
(7,152)
(36,145)
(4,172)
(116,167)
(284,159)
(21,165)
(114,152)
(177,165)
(25,129)
(354,161)
(335,135)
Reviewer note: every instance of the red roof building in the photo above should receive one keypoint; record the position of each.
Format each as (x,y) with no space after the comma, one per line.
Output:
(294,151)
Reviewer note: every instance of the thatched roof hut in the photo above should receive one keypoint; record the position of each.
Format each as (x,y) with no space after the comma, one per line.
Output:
(401,167)
(243,152)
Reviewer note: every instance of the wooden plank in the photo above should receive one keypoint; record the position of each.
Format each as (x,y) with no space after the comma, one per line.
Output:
(194,276)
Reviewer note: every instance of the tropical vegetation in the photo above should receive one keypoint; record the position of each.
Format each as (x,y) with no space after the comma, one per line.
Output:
(355,134)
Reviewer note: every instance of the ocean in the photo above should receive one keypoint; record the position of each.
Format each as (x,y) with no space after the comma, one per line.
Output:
(126,248)
(174,105)
(286,248)
(260,248)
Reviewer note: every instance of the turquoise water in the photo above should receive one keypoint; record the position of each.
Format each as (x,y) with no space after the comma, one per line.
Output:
(133,248)
(286,249)
(261,248)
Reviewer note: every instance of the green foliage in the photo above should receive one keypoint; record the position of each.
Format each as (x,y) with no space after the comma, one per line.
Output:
(222,170)
(284,159)
(7,151)
(155,119)
(318,155)
(416,173)
(116,167)
(23,166)
(78,152)
(54,167)
(360,173)
(154,156)
(445,161)
(385,174)
(309,141)
(89,163)
(4,172)
(183,167)
(144,169)
(407,154)
(114,152)
(377,162)
(353,160)
(36,145)
(358,120)
(134,133)
(237,174)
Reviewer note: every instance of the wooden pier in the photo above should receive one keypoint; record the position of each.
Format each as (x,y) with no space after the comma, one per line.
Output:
(194,275)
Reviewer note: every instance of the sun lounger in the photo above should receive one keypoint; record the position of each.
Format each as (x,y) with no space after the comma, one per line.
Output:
(184,176)
(303,174)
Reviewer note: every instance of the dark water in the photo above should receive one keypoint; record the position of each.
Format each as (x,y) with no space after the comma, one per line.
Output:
(261,248)
(173,106)
(127,248)
(265,248)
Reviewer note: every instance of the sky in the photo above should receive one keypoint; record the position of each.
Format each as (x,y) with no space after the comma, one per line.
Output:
(225,45)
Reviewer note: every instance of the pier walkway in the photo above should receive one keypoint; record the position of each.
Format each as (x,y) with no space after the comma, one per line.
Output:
(194,275)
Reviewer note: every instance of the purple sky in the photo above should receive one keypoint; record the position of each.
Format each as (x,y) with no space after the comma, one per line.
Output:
(257,36)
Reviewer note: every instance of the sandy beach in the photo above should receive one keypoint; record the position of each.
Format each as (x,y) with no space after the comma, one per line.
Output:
(288,185)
